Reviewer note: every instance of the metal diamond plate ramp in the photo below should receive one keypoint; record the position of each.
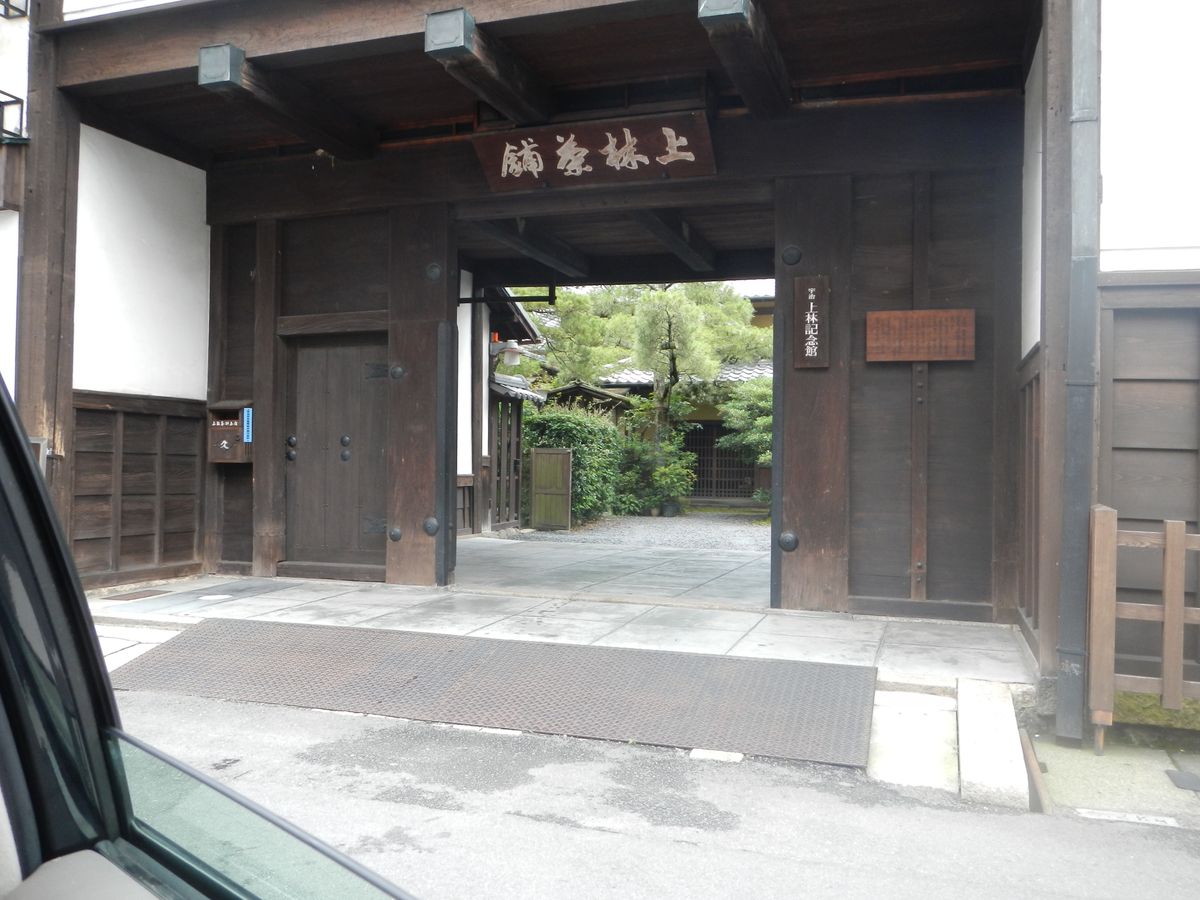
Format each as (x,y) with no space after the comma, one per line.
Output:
(764,707)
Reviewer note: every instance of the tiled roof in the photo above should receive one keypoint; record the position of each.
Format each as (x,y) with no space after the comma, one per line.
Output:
(516,386)
(746,371)
(729,372)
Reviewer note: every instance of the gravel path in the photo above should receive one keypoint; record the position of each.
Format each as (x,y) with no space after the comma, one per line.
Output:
(691,531)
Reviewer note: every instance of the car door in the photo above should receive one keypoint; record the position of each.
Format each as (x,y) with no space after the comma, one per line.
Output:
(86,805)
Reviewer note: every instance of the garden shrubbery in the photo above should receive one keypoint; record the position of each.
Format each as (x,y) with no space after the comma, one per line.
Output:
(595,446)
(652,474)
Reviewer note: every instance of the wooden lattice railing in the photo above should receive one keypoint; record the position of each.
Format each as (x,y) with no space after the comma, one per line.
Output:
(1104,611)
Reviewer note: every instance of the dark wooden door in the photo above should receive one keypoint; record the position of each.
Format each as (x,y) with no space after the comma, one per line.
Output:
(336,482)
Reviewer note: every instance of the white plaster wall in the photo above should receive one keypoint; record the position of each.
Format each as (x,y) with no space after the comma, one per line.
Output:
(466,460)
(14,79)
(141,272)
(9,235)
(1150,134)
(485,377)
(82,9)
(14,56)
(1031,205)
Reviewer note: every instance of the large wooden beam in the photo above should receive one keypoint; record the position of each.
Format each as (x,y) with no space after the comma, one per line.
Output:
(668,195)
(160,47)
(741,35)
(944,135)
(647,269)
(672,231)
(46,297)
(128,129)
(286,102)
(486,67)
(545,249)
(422,419)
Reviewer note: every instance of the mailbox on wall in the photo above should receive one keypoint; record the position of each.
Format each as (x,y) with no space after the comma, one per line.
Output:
(230,434)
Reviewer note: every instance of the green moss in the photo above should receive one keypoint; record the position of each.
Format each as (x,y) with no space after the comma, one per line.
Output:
(1145,709)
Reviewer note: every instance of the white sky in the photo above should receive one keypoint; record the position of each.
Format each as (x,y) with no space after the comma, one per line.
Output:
(1150,134)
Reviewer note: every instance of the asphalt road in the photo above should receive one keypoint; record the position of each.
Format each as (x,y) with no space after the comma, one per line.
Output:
(448,813)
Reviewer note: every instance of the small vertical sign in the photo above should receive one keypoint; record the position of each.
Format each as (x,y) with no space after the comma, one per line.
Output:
(810,349)
(248,425)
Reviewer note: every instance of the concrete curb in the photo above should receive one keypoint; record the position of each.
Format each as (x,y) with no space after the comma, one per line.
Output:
(991,761)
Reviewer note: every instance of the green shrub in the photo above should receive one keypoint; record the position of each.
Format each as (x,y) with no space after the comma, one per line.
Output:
(652,474)
(676,477)
(595,446)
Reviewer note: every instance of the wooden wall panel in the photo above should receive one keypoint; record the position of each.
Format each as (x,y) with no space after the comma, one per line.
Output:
(1158,344)
(335,264)
(1161,415)
(93,473)
(236,378)
(880,409)
(1150,434)
(1154,484)
(961,276)
(236,521)
(136,487)
(921,524)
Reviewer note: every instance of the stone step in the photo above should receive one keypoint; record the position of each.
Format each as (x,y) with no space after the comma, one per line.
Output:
(991,764)
(914,740)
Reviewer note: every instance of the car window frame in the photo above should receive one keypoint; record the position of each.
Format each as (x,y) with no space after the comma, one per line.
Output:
(65,630)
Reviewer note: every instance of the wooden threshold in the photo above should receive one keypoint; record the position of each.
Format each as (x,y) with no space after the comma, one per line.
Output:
(332,571)
(139,576)
(922,609)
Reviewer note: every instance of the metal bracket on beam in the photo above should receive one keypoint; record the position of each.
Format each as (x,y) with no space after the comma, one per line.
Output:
(487,67)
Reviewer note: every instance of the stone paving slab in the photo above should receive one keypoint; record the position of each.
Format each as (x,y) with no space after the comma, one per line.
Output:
(667,637)
(914,741)
(818,649)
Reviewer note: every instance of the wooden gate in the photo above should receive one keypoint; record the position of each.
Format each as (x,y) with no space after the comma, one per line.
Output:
(506,462)
(550,497)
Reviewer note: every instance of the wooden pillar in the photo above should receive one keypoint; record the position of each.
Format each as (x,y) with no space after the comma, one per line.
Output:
(1006,427)
(270,379)
(480,495)
(1056,284)
(422,413)
(211,537)
(46,300)
(810,478)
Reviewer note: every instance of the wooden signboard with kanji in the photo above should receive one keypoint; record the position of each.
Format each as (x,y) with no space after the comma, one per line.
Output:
(921,335)
(810,348)
(609,152)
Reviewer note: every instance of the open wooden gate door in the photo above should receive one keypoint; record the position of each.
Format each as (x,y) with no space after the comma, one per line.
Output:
(550,492)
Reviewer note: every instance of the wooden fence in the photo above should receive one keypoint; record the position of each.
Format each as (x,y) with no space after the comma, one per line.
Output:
(1104,611)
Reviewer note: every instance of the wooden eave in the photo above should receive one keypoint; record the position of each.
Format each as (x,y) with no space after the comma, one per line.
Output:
(872,85)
